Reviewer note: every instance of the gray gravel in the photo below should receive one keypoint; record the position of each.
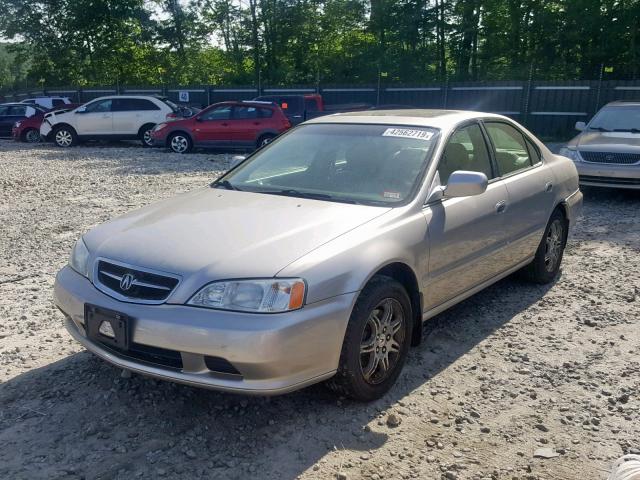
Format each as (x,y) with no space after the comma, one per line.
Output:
(518,382)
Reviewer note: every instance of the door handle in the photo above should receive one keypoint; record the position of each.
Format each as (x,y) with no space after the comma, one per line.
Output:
(224,124)
(256,123)
(501,206)
(548,187)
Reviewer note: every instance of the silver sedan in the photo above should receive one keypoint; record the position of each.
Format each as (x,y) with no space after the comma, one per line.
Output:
(320,256)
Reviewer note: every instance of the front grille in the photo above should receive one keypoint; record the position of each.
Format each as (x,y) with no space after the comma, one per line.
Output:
(154,355)
(611,157)
(138,284)
(610,180)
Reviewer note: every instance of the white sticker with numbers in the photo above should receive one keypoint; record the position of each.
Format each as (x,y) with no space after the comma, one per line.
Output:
(408,133)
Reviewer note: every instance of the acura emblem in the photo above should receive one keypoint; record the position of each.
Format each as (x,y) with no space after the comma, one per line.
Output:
(126,282)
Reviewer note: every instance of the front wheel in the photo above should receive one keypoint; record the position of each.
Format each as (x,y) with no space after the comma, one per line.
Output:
(145,135)
(376,343)
(546,263)
(31,136)
(65,137)
(180,143)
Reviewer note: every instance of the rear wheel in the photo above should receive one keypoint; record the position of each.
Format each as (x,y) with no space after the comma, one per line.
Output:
(145,135)
(546,263)
(376,343)
(65,137)
(180,143)
(31,136)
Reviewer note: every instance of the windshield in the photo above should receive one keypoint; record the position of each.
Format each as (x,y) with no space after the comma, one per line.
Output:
(353,163)
(617,119)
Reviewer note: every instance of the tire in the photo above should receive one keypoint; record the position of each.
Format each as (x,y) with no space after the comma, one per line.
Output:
(145,135)
(264,140)
(65,136)
(31,136)
(376,342)
(179,143)
(546,263)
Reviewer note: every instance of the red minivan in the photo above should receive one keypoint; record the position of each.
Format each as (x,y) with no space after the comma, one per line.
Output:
(237,124)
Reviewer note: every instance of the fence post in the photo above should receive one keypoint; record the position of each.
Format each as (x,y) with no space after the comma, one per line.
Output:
(209,87)
(599,88)
(525,108)
(446,92)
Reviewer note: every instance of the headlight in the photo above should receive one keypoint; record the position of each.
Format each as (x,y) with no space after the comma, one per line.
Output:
(79,259)
(17,124)
(570,153)
(259,296)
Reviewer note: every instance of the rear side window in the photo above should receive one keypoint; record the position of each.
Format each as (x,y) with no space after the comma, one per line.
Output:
(133,104)
(265,113)
(510,148)
(245,113)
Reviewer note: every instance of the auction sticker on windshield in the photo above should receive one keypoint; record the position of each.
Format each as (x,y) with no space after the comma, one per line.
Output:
(408,133)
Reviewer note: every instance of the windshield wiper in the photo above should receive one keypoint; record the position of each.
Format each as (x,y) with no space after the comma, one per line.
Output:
(225,184)
(632,130)
(290,192)
(600,129)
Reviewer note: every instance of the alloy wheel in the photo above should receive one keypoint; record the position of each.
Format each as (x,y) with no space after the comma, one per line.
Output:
(382,341)
(265,141)
(146,137)
(553,247)
(64,138)
(179,144)
(32,136)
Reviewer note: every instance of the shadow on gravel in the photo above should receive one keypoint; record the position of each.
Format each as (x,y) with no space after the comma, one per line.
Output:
(77,418)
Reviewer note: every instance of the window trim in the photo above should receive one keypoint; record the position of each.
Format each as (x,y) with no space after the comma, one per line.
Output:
(213,108)
(525,137)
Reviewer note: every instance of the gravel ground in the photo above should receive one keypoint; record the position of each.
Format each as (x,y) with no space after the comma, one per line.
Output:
(516,373)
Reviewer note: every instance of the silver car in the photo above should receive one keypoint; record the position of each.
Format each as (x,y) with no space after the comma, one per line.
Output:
(607,152)
(319,257)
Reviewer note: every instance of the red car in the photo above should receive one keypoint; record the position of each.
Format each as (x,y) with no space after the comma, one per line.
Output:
(223,125)
(27,129)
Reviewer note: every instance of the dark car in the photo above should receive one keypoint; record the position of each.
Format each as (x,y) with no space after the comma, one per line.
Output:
(223,125)
(10,113)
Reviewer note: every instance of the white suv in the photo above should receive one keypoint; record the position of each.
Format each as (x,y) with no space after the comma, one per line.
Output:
(119,117)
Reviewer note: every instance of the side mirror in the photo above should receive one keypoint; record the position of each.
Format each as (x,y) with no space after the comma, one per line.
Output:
(237,160)
(580,126)
(198,119)
(81,110)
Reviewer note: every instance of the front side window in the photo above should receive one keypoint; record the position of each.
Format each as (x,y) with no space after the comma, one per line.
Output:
(4,110)
(18,111)
(369,164)
(509,147)
(99,106)
(218,113)
(465,150)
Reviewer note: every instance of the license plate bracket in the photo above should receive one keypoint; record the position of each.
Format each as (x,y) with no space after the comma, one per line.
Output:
(119,323)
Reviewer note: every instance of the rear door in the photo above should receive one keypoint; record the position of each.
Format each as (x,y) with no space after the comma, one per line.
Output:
(246,125)
(213,127)
(466,234)
(130,114)
(529,184)
(97,118)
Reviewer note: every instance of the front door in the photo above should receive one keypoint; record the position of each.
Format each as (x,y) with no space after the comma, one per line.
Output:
(529,185)
(96,119)
(466,234)
(213,127)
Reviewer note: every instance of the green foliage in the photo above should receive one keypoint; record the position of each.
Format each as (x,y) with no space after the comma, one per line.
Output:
(99,42)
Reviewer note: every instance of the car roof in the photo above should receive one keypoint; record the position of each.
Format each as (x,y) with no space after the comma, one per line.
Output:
(19,104)
(416,117)
(623,103)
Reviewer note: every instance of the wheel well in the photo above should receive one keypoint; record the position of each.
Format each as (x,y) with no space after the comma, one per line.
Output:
(60,125)
(23,134)
(404,275)
(144,127)
(562,208)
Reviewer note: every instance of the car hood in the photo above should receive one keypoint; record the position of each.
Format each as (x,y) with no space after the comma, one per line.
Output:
(594,141)
(215,234)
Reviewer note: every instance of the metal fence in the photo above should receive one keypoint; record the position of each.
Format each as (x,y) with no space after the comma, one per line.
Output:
(549,109)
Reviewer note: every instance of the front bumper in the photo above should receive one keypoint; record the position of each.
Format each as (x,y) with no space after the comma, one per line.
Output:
(608,175)
(273,353)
